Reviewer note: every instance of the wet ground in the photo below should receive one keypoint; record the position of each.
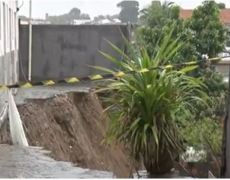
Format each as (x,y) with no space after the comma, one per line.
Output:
(41,92)
(22,95)
(32,162)
(44,92)
(90,154)
(175,174)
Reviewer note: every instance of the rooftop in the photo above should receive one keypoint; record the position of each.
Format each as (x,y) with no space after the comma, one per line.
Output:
(224,15)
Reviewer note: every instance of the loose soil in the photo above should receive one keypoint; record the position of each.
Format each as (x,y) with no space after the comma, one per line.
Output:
(72,126)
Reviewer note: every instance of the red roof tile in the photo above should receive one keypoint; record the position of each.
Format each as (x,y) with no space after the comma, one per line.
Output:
(224,15)
(185,13)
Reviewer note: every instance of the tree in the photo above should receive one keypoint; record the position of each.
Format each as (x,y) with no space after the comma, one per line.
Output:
(158,15)
(74,13)
(129,11)
(221,5)
(203,34)
(68,18)
(84,16)
(111,18)
(208,32)
(156,21)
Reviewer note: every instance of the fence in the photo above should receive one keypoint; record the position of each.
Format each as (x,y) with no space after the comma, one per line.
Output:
(60,51)
(224,68)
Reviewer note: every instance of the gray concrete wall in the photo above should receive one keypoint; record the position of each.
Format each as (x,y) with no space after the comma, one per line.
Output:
(60,51)
(223,69)
(9,68)
(2,70)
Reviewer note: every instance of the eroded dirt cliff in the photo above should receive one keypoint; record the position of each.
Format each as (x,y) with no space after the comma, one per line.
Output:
(72,126)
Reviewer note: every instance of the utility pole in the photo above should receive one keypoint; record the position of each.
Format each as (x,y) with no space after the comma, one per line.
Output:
(30,41)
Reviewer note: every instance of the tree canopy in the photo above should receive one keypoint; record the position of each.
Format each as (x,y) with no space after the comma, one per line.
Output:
(221,5)
(158,15)
(157,20)
(203,32)
(208,31)
(129,11)
(68,18)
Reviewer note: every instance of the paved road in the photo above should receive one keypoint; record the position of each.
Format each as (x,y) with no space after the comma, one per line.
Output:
(42,92)
(17,162)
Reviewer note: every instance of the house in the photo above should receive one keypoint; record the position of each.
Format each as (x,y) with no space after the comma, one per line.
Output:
(81,21)
(8,42)
(224,15)
(25,20)
(224,18)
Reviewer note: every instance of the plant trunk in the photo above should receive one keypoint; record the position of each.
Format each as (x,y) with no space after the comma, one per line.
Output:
(164,165)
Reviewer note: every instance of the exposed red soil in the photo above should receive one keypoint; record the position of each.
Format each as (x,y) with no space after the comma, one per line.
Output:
(72,127)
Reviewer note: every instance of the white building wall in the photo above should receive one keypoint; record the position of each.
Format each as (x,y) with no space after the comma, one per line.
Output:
(8,42)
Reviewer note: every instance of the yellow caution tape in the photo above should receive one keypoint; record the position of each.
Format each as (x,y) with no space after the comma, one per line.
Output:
(26,85)
(168,67)
(191,65)
(72,80)
(96,77)
(143,70)
(48,83)
(119,74)
(3,88)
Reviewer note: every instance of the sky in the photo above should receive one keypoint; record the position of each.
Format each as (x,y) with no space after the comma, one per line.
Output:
(91,7)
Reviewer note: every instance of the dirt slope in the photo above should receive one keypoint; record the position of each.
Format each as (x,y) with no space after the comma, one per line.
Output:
(72,127)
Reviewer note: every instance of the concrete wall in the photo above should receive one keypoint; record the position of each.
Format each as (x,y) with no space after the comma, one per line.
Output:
(60,51)
(224,70)
(9,68)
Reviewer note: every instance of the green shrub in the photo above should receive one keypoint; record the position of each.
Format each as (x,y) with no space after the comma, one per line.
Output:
(149,107)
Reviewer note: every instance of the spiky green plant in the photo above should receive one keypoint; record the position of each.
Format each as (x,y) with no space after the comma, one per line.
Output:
(148,107)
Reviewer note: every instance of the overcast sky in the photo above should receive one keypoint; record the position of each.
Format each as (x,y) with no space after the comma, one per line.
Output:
(92,7)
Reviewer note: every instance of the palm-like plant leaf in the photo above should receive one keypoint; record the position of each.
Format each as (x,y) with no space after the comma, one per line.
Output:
(147,106)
